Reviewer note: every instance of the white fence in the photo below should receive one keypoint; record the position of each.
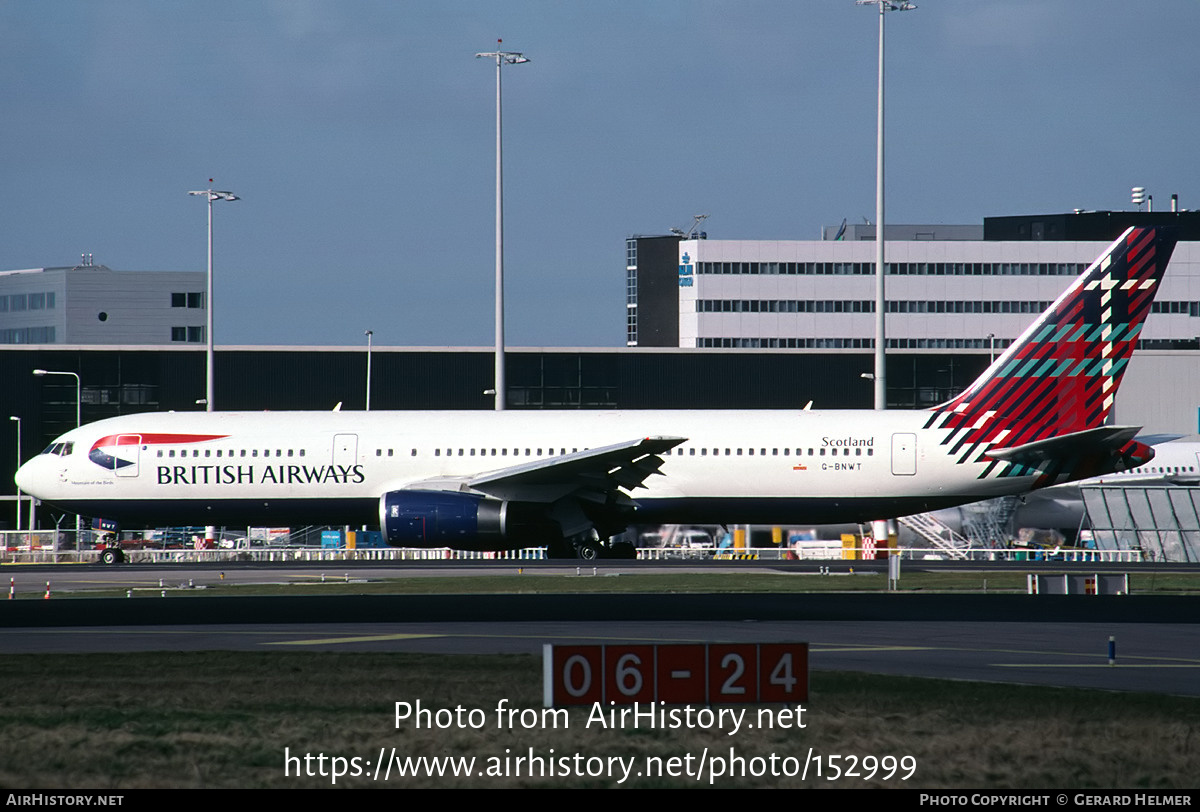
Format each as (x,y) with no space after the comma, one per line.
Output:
(49,546)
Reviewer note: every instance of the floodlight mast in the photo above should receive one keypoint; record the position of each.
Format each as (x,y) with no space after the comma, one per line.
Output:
(502,58)
(18,421)
(880,298)
(212,195)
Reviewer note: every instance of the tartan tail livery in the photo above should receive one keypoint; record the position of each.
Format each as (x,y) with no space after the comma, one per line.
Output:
(1041,409)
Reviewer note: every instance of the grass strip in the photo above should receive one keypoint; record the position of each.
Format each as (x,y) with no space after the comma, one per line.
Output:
(224,719)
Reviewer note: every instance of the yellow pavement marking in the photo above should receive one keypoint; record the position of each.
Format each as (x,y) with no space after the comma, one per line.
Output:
(1096,665)
(1103,655)
(851,647)
(367,639)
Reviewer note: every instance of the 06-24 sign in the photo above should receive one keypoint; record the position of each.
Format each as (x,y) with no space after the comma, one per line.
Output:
(692,673)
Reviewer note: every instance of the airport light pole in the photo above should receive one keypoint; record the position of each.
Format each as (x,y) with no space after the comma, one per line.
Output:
(880,300)
(212,196)
(78,397)
(14,417)
(502,58)
(368,334)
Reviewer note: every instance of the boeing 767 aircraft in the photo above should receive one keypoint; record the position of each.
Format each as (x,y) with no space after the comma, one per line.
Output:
(504,480)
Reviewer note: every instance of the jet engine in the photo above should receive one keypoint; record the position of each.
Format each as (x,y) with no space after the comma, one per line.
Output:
(465,521)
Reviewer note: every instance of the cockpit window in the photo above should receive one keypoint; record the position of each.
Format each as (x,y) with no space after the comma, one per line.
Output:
(60,449)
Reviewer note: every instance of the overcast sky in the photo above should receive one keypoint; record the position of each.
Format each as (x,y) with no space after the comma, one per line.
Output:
(360,136)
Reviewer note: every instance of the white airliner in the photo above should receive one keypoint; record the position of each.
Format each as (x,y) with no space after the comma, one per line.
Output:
(503,480)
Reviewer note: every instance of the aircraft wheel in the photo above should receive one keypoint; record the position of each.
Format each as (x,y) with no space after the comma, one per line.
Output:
(588,551)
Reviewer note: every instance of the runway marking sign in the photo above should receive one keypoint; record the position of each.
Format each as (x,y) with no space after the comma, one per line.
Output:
(677,674)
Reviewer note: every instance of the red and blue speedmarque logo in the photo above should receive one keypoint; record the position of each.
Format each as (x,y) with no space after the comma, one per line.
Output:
(107,451)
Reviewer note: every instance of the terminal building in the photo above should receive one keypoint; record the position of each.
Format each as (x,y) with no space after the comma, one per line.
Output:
(90,304)
(948,288)
(956,295)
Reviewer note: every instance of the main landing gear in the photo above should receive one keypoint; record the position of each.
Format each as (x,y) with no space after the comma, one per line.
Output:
(589,547)
(112,555)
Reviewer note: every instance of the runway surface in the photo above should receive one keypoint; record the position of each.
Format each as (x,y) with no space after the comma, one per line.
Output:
(1158,658)
(1151,656)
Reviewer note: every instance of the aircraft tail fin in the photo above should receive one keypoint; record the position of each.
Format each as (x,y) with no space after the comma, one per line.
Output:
(1061,376)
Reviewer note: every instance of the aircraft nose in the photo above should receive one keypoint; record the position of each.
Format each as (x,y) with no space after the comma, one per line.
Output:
(26,477)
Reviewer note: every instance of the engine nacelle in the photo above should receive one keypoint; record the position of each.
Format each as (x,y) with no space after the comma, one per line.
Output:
(464,521)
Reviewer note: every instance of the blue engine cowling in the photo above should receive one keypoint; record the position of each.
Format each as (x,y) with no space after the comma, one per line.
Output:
(464,521)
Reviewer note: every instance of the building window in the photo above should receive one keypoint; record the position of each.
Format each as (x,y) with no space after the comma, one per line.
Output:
(191,300)
(192,335)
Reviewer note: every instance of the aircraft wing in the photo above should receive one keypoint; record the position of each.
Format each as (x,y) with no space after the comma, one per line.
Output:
(579,490)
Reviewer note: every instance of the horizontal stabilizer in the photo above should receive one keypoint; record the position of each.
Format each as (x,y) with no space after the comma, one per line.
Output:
(1075,444)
